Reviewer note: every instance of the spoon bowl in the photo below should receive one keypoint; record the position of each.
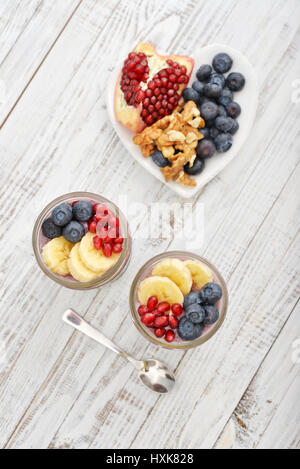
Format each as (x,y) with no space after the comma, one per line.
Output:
(157,376)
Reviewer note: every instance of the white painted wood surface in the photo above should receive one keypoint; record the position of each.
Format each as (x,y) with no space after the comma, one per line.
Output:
(59,389)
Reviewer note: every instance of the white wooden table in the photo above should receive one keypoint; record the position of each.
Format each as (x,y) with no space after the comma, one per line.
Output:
(58,389)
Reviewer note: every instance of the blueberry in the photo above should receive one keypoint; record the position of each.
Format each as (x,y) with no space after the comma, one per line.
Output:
(235,127)
(205,132)
(159,159)
(210,123)
(73,232)
(62,214)
(214,133)
(212,90)
(192,298)
(50,230)
(209,110)
(223,142)
(189,94)
(83,210)
(224,124)
(197,86)
(197,167)
(211,314)
(235,81)
(233,109)
(226,97)
(205,148)
(222,63)
(217,79)
(204,72)
(222,111)
(211,293)
(203,99)
(188,330)
(195,313)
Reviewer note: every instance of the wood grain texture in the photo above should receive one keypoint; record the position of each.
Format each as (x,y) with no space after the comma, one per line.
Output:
(59,389)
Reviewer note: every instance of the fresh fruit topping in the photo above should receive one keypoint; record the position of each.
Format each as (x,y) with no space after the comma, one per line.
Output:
(213,90)
(83,210)
(192,298)
(222,63)
(235,127)
(224,124)
(62,214)
(223,142)
(73,231)
(201,275)
(92,226)
(107,249)
(50,230)
(163,307)
(161,321)
(205,148)
(95,259)
(187,330)
(217,79)
(176,271)
(101,210)
(148,319)
(78,269)
(209,110)
(160,332)
(205,131)
(173,322)
(195,313)
(159,159)
(190,94)
(233,109)
(97,242)
(204,72)
(211,293)
(177,309)
(226,97)
(222,111)
(142,310)
(117,248)
(162,287)
(211,314)
(197,167)
(170,336)
(135,71)
(199,87)
(119,240)
(152,303)
(55,254)
(235,81)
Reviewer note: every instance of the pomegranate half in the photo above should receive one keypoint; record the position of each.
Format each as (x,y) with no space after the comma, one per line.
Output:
(150,86)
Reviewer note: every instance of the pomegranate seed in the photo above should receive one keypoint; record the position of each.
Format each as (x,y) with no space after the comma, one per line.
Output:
(152,303)
(153,100)
(118,240)
(144,113)
(164,103)
(101,209)
(157,105)
(156,92)
(139,96)
(160,332)
(173,321)
(170,336)
(107,249)
(164,82)
(92,226)
(146,102)
(155,115)
(151,108)
(151,85)
(170,93)
(173,78)
(148,319)
(161,321)
(149,120)
(161,112)
(163,307)
(181,79)
(177,72)
(157,313)
(117,248)
(148,93)
(177,309)
(103,232)
(183,70)
(97,242)
(142,310)
(176,87)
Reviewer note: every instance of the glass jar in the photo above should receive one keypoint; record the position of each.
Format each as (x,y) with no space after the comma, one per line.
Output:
(145,272)
(38,240)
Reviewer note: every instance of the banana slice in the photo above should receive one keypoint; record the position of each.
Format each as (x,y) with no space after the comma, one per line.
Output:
(78,269)
(94,259)
(161,287)
(55,255)
(200,272)
(176,271)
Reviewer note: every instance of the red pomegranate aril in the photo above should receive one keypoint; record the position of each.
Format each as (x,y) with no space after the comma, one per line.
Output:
(146,102)
(117,248)
(119,240)
(157,82)
(173,322)
(152,303)
(169,70)
(144,113)
(170,336)
(97,242)
(139,96)
(170,85)
(149,120)
(157,313)
(107,249)
(153,100)
(173,78)
(156,92)
(181,79)
(151,85)
(170,93)
(177,309)
(177,72)
(160,97)
(161,112)
(160,332)
(155,115)
(157,105)
(170,106)
(172,100)
(148,319)
(92,226)
(183,70)
(107,240)
(151,108)
(148,93)
(164,82)
(163,307)
(142,310)
(176,87)
(161,321)
(163,73)
(164,103)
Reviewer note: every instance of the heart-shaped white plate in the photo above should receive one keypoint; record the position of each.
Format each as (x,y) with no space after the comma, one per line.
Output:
(247,98)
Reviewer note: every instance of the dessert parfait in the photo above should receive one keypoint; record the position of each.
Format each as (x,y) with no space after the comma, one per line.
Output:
(81,241)
(178,300)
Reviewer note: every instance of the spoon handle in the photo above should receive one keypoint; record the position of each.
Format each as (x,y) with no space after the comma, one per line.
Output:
(76,321)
